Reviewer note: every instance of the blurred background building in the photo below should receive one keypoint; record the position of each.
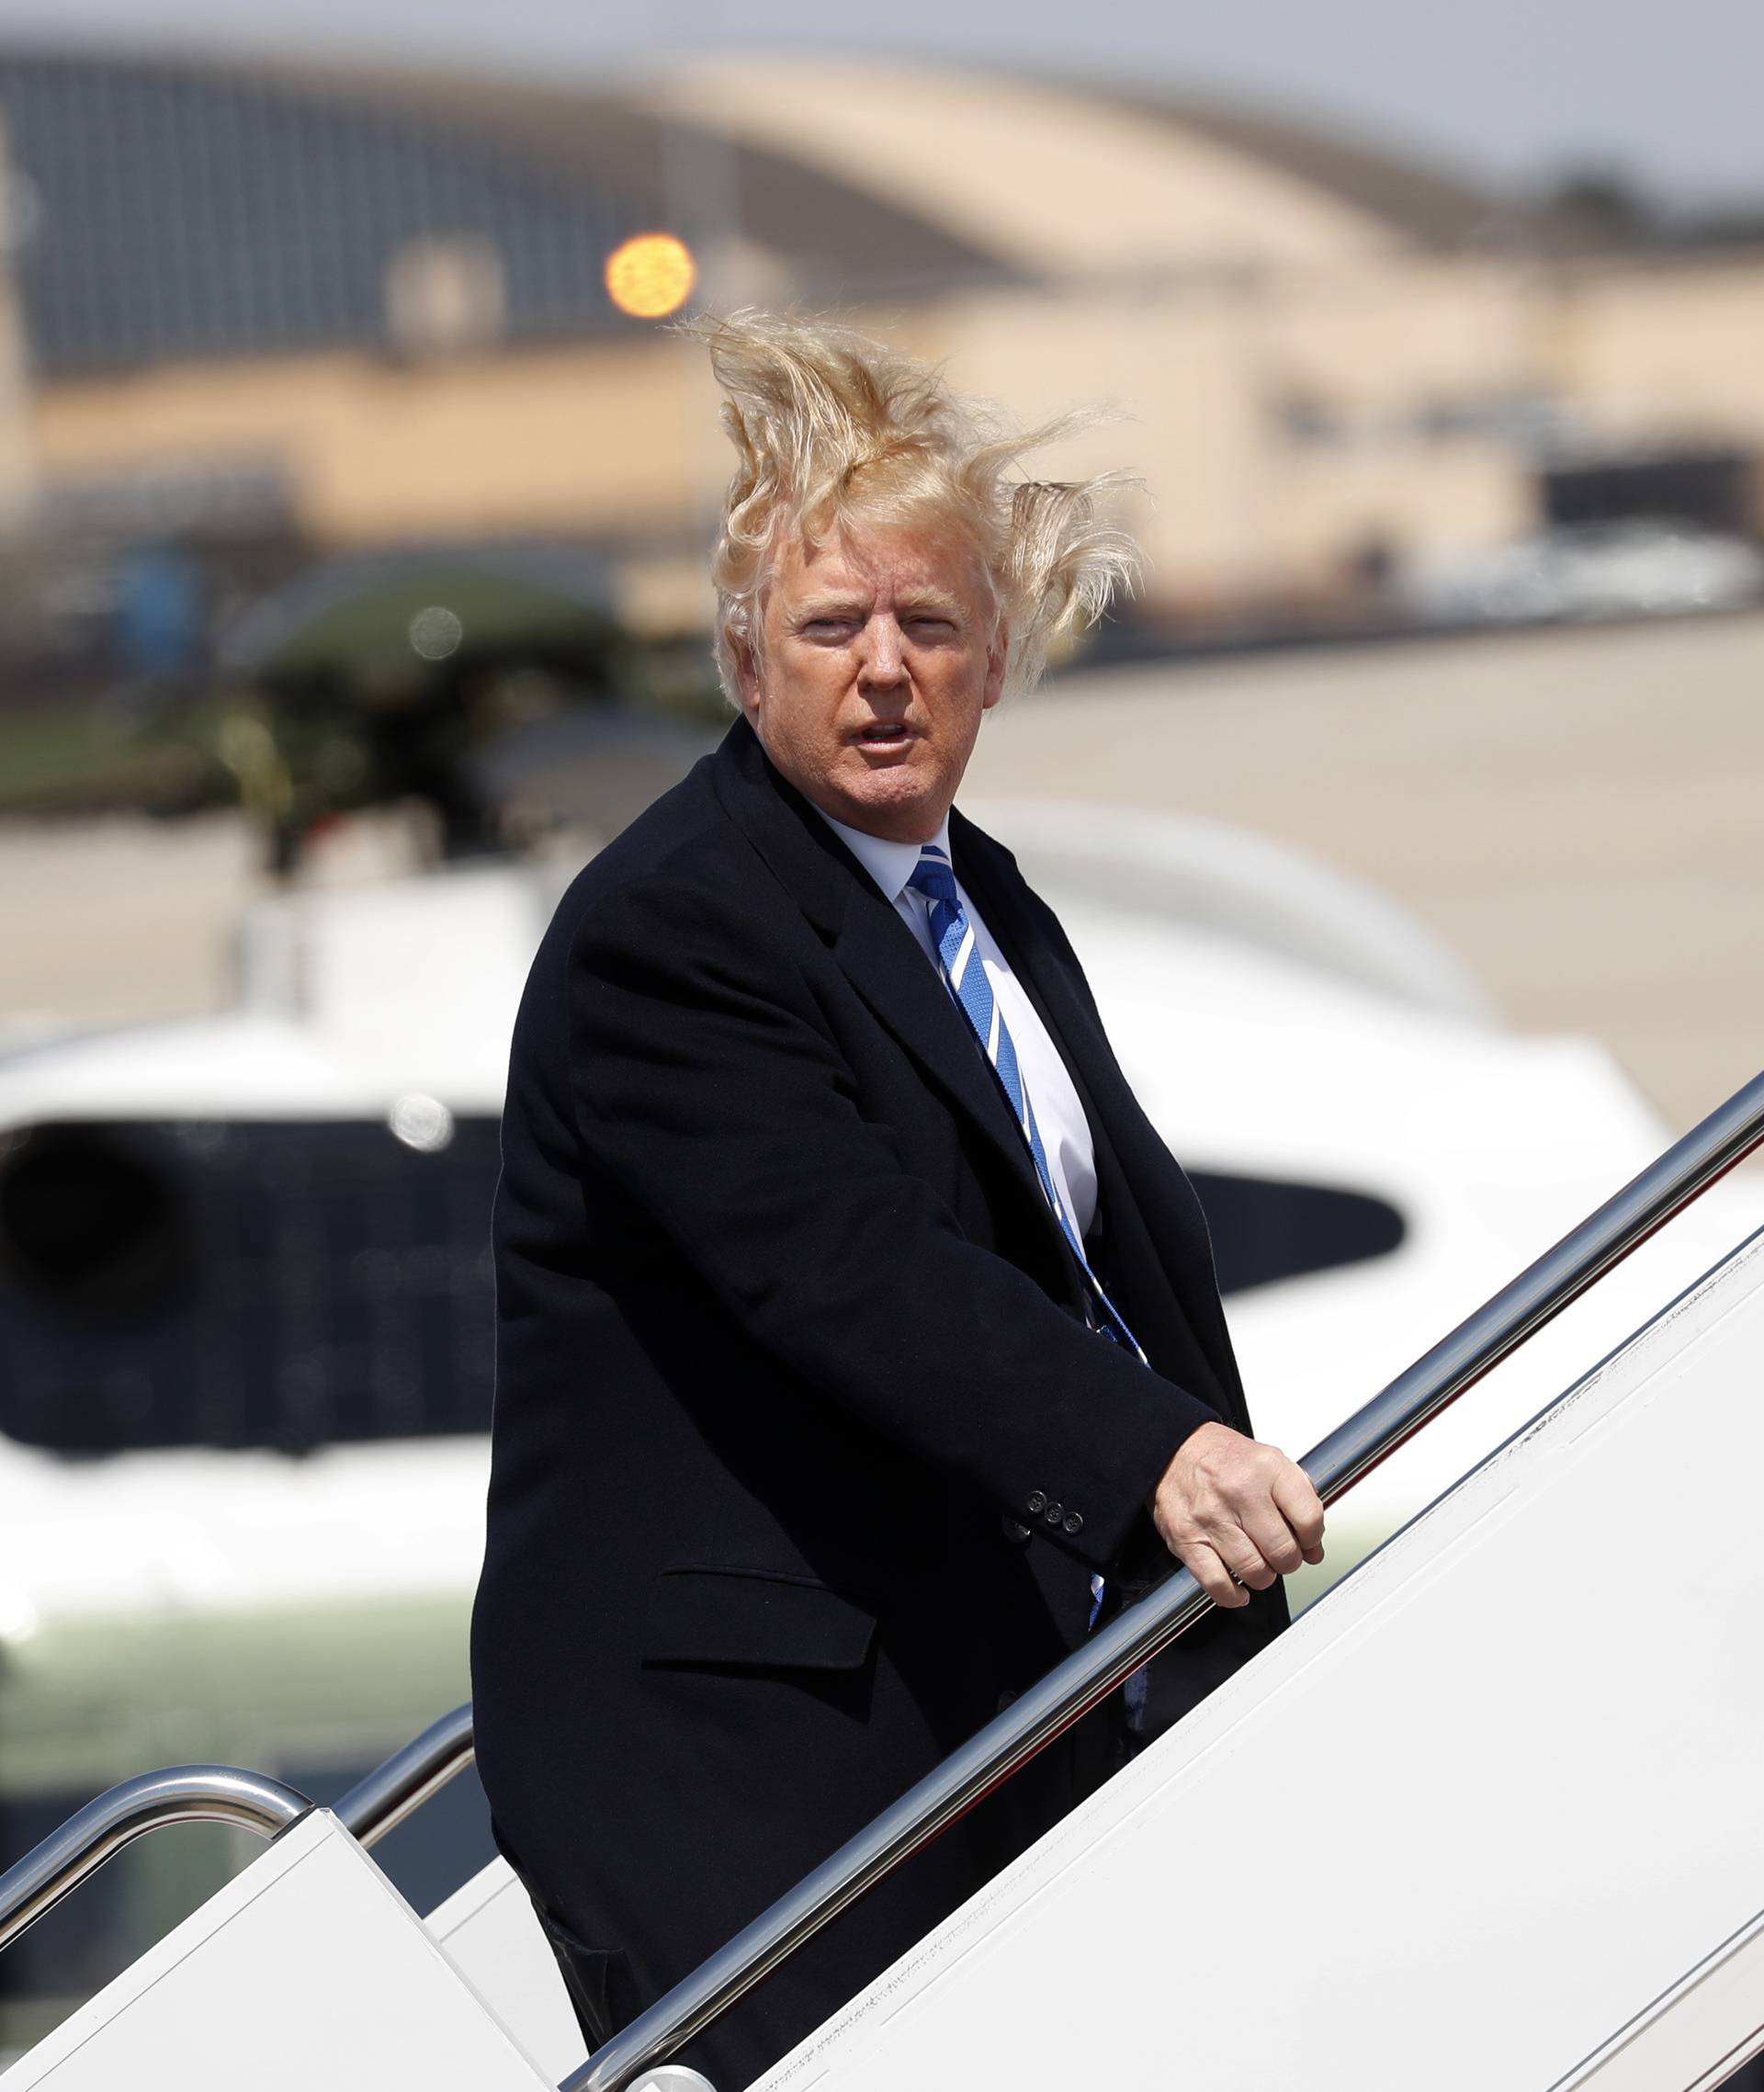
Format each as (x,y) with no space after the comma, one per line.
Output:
(332,471)
(292,309)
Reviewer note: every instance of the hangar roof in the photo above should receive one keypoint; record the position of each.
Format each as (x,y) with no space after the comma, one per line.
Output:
(186,208)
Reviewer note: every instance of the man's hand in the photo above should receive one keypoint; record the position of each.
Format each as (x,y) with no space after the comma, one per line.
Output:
(1230,1507)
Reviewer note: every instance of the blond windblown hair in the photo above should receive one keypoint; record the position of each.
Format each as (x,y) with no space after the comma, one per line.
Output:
(832,429)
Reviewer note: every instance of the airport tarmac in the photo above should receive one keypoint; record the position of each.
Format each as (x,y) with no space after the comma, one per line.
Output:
(1577,812)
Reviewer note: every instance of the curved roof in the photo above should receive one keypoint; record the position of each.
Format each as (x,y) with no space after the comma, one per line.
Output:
(1426,203)
(1080,180)
(183,209)
(837,239)
(177,210)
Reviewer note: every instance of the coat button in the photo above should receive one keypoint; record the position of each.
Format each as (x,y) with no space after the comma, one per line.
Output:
(1012,1529)
(1074,1522)
(1038,1502)
(1052,1514)
(1006,1696)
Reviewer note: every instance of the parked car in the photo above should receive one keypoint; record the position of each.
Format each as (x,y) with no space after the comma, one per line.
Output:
(1586,571)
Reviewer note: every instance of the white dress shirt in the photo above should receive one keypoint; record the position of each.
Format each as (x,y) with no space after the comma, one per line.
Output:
(1059,1116)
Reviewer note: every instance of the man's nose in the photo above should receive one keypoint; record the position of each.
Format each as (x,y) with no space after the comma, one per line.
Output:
(883,665)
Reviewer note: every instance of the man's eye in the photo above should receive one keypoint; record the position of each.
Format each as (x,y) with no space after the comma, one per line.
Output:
(828,628)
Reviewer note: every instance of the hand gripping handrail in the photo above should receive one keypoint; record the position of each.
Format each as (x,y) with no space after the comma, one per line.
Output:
(1115,1652)
(381,1800)
(181,1793)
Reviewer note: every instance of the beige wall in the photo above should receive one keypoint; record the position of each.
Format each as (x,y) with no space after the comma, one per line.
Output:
(1411,330)
(573,438)
(621,441)
(1677,349)
(1235,502)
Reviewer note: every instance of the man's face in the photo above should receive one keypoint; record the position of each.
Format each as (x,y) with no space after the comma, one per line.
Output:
(878,657)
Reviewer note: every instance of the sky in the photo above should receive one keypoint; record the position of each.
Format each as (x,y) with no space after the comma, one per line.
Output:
(1517,91)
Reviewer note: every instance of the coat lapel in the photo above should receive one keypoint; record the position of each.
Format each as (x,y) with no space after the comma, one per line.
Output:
(875,950)
(1121,1134)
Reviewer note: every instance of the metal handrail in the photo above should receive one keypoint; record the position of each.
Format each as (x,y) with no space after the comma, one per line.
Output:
(380,1802)
(1114,1652)
(224,1793)
(181,1793)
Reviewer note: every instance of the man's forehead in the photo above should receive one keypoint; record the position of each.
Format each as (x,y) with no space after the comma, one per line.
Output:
(859,566)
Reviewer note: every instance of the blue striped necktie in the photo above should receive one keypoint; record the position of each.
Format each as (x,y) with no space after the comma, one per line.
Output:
(965,978)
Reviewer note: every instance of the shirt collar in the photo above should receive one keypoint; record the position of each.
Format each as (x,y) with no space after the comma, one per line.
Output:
(891,864)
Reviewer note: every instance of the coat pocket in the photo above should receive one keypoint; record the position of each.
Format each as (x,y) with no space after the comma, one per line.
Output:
(762,1618)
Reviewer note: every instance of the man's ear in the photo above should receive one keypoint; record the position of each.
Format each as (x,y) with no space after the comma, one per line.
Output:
(747,678)
(997,654)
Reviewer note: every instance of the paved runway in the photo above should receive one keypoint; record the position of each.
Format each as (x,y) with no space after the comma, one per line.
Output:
(1578,813)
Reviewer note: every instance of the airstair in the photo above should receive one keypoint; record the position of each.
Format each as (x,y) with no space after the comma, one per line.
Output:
(1489,1818)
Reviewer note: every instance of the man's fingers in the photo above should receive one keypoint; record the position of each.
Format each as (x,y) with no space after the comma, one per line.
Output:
(1241,1505)
(1302,1508)
(1241,1556)
(1211,1574)
(1273,1537)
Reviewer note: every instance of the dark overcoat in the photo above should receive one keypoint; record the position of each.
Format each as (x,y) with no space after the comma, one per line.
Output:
(803,1454)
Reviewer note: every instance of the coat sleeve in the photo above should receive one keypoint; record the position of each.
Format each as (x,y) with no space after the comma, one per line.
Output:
(705,1082)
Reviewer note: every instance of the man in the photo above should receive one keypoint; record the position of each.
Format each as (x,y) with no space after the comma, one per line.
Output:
(856,1333)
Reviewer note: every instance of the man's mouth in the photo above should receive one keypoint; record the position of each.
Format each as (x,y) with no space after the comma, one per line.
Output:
(884,734)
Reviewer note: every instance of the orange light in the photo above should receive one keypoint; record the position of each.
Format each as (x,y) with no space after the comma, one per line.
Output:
(651,276)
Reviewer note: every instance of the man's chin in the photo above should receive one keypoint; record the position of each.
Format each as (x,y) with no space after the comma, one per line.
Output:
(895,799)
